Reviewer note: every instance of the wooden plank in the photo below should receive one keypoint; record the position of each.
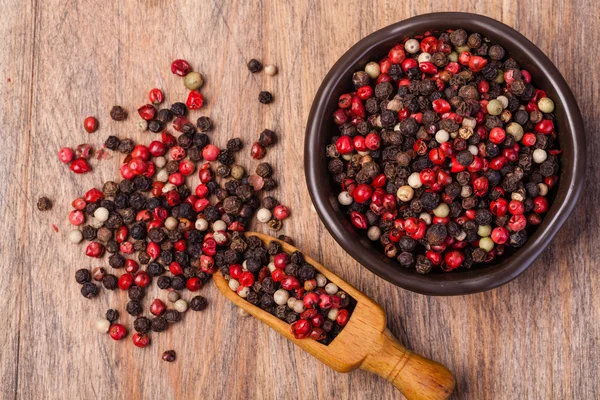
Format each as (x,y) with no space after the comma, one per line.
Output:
(16,48)
(537,337)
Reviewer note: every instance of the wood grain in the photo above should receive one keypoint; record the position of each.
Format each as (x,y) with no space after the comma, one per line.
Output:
(535,338)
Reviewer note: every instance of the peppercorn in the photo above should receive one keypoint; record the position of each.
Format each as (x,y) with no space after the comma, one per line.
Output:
(159,324)
(142,325)
(110,282)
(44,204)
(82,276)
(267,138)
(117,113)
(112,315)
(269,184)
(198,303)
(179,109)
(169,356)
(265,97)
(136,293)
(134,308)
(89,290)
(178,283)
(126,146)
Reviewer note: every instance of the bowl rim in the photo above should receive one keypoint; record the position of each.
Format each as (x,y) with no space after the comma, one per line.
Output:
(490,277)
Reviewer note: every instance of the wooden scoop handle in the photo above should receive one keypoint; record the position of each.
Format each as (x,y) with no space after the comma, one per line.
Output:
(415,376)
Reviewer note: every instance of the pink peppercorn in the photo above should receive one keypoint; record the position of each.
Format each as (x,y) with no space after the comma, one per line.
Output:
(66,155)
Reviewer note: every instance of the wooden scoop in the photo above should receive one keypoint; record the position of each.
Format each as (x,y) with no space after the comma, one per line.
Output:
(364,343)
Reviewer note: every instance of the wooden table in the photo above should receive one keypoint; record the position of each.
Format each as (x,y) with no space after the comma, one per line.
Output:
(535,338)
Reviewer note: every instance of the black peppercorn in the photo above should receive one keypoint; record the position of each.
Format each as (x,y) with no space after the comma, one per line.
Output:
(172,316)
(126,146)
(82,276)
(155,126)
(135,293)
(112,143)
(178,282)
(142,325)
(159,324)
(134,308)
(110,282)
(267,138)
(254,66)
(234,144)
(44,204)
(117,113)
(89,290)
(265,97)
(165,115)
(179,109)
(198,303)
(112,315)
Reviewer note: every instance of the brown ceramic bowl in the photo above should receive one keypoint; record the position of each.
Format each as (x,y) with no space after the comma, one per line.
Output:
(320,129)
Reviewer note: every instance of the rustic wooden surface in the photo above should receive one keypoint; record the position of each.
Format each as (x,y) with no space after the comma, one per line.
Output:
(535,338)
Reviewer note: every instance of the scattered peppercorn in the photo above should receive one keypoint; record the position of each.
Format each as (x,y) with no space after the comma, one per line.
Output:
(118,113)
(44,204)
(169,356)
(254,66)
(265,97)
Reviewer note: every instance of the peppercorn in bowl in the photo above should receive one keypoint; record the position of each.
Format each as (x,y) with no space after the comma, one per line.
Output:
(444,152)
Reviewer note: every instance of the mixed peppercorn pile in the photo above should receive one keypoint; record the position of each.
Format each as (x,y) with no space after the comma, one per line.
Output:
(446,152)
(288,287)
(179,236)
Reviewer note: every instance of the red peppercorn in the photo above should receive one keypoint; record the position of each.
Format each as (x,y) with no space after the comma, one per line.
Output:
(499,207)
(364,92)
(142,279)
(235,271)
(278,275)
(540,205)
(529,139)
(476,63)
(441,106)
(168,139)
(93,195)
(342,317)
(126,247)
(545,127)
(90,124)
(373,141)
(179,122)
(187,167)
(175,268)
(358,220)
(94,249)
(147,112)
(209,246)
(397,54)
(480,186)
(498,163)
(340,116)
(193,284)
(301,329)
(427,176)
(178,153)
(516,207)
(141,340)
(79,166)
(454,259)
(359,143)
(180,67)
(310,300)
(281,212)
(131,266)
(500,235)
(156,96)
(137,166)
(344,100)
(257,151)
(290,283)
(177,178)
(247,279)
(435,258)
(194,100)
(428,68)
(125,281)
(281,260)
(437,156)
(157,307)
(517,222)
(117,331)
(153,250)
(497,135)
(362,193)
(357,107)
(121,234)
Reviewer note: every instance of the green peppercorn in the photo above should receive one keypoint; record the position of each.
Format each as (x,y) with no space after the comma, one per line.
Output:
(193,80)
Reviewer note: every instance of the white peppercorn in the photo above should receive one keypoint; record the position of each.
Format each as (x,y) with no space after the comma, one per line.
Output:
(486,243)
(424,57)
(545,105)
(331,288)
(539,156)
(181,305)
(344,198)
(484,230)
(75,236)
(201,224)
(373,70)
(374,233)
(414,180)
(332,314)
(281,296)
(442,210)
(160,162)
(412,46)
(101,214)
(219,225)
(264,215)
(171,223)
(321,280)
(102,325)
(271,70)
(442,136)
(234,284)
(173,297)
(243,291)
(405,193)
